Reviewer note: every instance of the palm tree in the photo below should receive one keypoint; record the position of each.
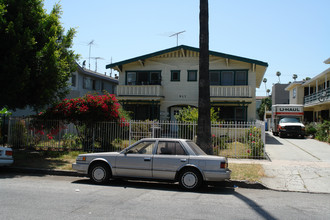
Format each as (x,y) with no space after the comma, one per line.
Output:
(294,76)
(268,91)
(265,80)
(204,118)
(278,73)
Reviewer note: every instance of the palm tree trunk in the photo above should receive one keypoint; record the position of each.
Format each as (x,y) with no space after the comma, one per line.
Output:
(204,119)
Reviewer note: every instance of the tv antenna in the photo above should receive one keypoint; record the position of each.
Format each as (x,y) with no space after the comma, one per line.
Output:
(96,58)
(89,57)
(177,36)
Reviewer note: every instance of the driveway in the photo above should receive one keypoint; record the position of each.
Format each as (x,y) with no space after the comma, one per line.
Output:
(297,164)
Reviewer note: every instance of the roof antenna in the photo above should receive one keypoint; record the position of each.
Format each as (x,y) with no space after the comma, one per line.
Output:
(177,36)
(89,57)
(96,58)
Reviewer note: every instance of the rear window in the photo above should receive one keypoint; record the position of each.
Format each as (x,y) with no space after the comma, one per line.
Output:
(197,150)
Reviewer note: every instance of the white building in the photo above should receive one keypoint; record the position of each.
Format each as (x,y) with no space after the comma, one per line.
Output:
(159,84)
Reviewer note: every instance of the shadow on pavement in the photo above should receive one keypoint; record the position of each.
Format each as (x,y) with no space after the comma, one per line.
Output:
(271,140)
(165,186)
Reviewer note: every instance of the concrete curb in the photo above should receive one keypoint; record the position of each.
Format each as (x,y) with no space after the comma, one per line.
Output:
(230,183)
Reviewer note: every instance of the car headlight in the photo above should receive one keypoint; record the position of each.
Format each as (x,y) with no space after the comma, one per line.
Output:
(81,158)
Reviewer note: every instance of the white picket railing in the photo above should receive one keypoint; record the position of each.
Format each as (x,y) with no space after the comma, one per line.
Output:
(231,139)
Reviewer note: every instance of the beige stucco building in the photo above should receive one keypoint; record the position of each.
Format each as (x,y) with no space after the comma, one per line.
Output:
(314,94)
(158,85)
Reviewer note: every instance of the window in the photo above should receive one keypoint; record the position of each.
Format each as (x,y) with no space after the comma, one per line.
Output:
(227,78)
(131,78)
(73,80)
(155,78)
(143,78)
(192,75)
(145,147)
(214,77)
(87,83)
(170,148)
(294,93)
(175,75)
(240,78)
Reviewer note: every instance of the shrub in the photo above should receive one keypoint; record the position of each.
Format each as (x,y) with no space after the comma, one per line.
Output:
(255,143)
(310,130)
(323,131)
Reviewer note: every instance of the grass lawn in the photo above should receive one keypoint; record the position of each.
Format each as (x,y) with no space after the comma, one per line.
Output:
(62,160)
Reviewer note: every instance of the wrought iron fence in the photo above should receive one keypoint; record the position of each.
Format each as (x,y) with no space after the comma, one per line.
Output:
(238,140)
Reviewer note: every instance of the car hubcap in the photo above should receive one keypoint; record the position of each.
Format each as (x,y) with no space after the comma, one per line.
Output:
(189,180)
(99,173)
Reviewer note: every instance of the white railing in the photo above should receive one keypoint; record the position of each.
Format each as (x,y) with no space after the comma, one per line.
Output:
(238,140)
(145,90)
(231,91)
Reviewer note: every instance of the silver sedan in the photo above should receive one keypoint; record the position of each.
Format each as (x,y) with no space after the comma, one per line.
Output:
(158,159)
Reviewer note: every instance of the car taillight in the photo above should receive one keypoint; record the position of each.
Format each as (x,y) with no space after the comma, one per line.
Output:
(9,153)
(223,165)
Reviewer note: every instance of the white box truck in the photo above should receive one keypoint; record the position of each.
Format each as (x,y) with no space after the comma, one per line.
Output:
(287,120)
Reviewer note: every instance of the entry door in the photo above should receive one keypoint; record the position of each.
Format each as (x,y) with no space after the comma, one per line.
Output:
(174,111)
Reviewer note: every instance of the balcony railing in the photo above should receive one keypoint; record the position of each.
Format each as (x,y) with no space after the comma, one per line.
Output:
(321,96)
(231,91)
(146,90)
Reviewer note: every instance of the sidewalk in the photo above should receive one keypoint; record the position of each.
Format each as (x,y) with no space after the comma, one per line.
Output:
(301,165)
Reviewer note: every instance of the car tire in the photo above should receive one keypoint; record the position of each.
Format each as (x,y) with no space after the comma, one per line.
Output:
(190,179)
(280,134)
(100,173)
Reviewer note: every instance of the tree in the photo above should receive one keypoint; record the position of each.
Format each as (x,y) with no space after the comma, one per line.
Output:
(266,102)
(265,81)
(204,122)
(278,73)
(294,77)
(35,56)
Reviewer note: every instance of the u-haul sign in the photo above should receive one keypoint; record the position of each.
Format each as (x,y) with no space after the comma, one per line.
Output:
(288,110)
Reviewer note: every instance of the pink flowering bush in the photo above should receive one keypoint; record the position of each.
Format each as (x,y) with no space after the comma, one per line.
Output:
(83,112)
(255,143)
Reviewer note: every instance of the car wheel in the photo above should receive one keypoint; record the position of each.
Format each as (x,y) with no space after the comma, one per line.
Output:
(190,179)
(280,134)
(100,173)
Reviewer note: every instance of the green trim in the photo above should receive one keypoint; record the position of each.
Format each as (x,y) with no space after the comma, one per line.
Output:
(184,47)
(191,71)
(149,75)
(234,70)
(174,71)
(224,102)
(138,101)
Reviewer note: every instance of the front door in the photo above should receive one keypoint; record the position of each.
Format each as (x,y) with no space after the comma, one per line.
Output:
(174,126)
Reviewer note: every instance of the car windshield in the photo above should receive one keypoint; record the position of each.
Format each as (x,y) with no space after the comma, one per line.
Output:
(289,120)
(197,150)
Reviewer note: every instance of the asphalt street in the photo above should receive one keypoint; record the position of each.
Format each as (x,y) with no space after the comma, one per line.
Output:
(61,197)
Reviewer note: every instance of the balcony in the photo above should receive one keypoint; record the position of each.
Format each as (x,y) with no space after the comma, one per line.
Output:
(231,91)
(146,90)
(318,97)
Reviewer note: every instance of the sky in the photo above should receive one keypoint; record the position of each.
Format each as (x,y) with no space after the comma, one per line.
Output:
(292,36)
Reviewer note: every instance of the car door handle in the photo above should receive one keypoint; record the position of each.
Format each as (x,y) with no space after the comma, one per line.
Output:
(183,160)
(147,159)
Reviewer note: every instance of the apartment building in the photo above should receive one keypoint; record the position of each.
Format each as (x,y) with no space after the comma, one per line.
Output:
(159,84)
(314,94)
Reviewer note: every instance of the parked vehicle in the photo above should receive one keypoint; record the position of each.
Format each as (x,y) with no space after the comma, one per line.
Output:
(6,156)
(287,120)
(158,159)
(291,127)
